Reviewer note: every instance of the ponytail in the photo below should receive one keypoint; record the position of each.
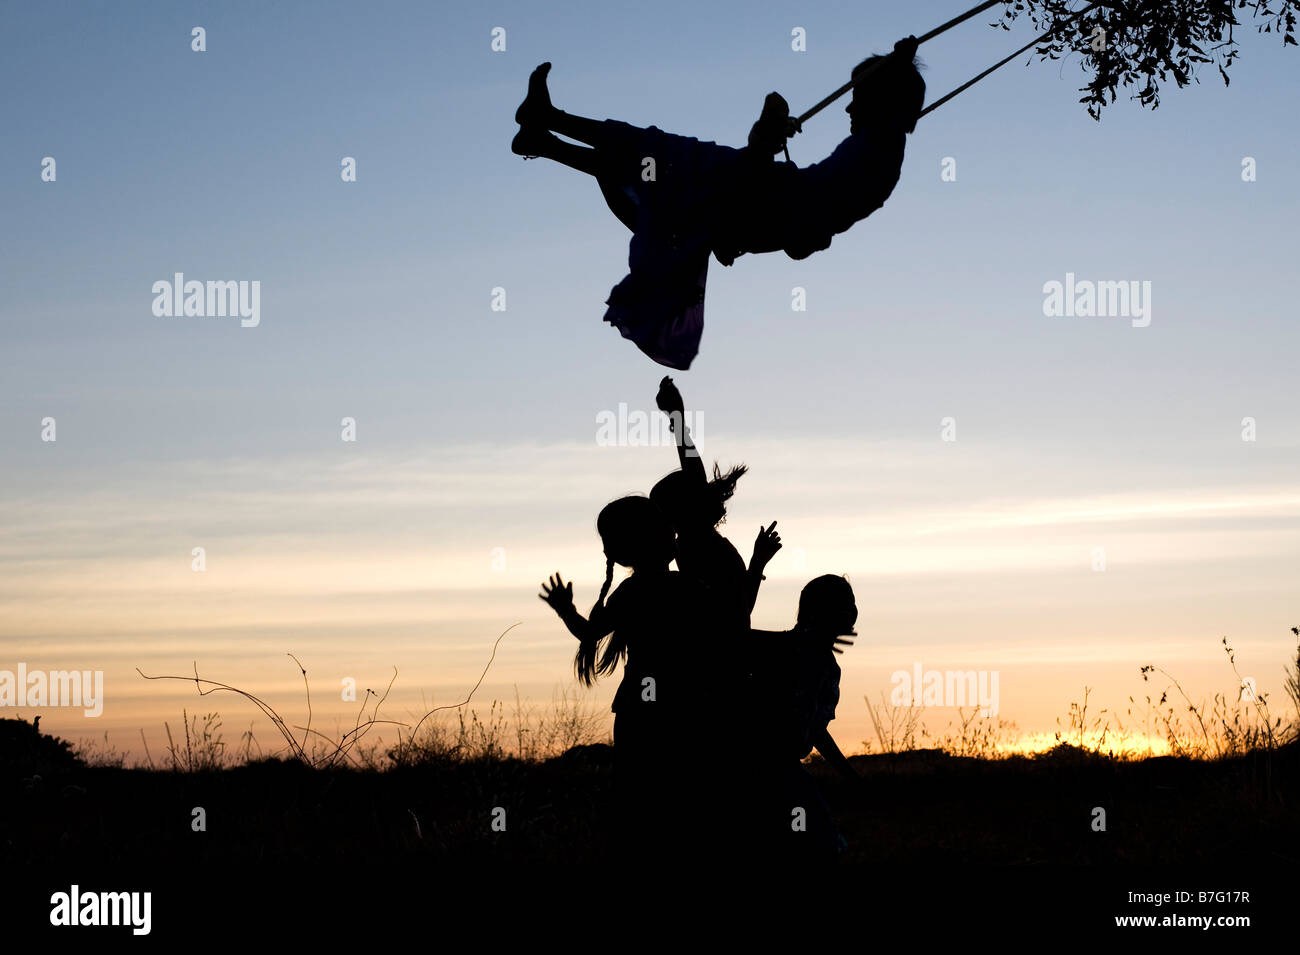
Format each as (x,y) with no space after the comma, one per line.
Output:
(723,486)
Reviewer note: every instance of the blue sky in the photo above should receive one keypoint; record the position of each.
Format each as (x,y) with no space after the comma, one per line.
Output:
(476,428)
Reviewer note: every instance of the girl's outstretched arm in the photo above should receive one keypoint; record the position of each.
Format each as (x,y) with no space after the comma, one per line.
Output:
(766,545)
(670,402)
(559,595)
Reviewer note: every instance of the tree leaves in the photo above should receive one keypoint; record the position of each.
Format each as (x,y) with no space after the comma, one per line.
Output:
(1143,43)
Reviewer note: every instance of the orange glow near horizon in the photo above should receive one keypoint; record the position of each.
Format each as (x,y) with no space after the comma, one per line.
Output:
(985,582)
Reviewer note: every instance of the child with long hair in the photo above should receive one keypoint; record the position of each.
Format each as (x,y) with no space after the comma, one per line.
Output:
(695,506)
(660,625)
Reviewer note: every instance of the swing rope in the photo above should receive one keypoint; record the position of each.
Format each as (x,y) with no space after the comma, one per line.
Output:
(944,28)
(1001,63)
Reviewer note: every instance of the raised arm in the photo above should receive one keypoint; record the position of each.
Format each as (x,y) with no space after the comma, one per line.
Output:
(670,403)
(766,545)
(559,595)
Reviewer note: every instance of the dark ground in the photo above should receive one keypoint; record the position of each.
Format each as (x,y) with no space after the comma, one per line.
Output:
(960,823)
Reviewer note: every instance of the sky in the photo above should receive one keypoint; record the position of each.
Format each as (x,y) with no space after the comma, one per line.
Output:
(1058,499)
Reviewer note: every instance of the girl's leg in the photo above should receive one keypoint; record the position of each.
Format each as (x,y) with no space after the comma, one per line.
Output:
(612,154)
(533,141)
(593,132)
(581,158)
(536,111)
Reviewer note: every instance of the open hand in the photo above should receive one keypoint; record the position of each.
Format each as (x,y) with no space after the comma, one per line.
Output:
(766,544)
(557,593)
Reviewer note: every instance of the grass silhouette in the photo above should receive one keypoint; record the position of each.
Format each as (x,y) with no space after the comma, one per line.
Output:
(1222,795)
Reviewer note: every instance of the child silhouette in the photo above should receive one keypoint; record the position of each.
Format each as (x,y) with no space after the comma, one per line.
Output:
(794,689)
(684,198)
(695,506)
(659,624)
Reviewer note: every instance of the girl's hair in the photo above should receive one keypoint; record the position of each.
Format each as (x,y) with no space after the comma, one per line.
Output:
(677,497)
(635,534)
(898,85)
(723,486)
(827,607)
(584,660)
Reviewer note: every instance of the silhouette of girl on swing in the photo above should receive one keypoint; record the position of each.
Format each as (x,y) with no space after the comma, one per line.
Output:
(684,198)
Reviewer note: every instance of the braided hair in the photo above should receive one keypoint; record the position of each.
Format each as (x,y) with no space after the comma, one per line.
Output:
(584,661)
(635,534)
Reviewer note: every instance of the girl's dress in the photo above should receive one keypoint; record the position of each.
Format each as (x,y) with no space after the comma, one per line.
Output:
(684,198)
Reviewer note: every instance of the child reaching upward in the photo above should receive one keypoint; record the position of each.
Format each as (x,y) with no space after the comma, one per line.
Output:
(684,198)
(694,506)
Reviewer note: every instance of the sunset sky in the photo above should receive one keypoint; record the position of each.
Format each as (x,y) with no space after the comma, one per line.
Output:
(476,469)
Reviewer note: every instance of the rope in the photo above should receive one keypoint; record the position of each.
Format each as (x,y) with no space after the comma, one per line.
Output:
(1001,63)
(943,28)
(962,18)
